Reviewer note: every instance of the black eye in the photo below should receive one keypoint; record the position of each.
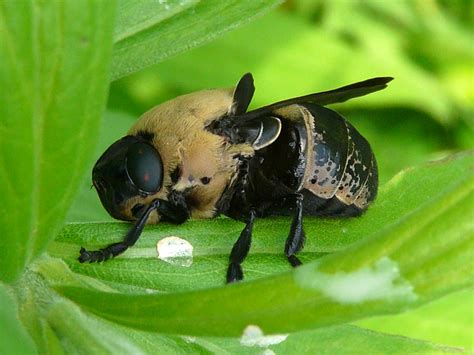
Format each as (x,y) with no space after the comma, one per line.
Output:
(144,167)
(206,180)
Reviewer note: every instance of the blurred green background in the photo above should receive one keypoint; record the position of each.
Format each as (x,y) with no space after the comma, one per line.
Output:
(307,46)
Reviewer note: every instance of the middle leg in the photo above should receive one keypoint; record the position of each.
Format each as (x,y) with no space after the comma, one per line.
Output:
(240,251)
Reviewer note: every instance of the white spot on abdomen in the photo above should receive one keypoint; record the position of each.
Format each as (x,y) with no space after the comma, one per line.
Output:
(175,251)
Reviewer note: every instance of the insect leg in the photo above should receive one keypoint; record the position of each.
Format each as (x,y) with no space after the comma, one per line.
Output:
(295,241)
(240,251)
(118,248)
(175,210)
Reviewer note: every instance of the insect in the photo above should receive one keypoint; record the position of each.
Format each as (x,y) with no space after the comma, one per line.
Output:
(202,154)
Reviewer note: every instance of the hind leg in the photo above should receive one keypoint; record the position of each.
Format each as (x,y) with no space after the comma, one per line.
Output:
(295,241)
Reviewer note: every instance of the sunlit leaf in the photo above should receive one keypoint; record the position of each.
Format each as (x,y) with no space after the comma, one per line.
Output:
(179,27)
(80,331)
(53,80)
(330,340)
(449,320)
(138,16)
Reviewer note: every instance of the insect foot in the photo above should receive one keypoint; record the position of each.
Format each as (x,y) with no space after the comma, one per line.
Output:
(102,254)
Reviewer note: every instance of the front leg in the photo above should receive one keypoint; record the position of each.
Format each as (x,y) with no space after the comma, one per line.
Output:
(118,248)
(174,210)
(240,251)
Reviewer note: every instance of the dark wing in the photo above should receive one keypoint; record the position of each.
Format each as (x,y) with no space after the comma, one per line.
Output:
(328,97)
(260,128)
(341,94)
(242,96)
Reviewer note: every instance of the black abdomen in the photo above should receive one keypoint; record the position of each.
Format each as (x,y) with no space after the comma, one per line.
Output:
(341,177)
(318,154)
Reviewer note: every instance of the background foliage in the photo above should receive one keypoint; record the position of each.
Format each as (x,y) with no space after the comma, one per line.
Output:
(58,64)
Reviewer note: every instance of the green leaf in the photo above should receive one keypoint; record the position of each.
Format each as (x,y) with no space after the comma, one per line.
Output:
(54,75)
(410,258)
(138,16)
(14,338)
(449,320)
(145,39)
(64,327)
(344,339)
(79,331)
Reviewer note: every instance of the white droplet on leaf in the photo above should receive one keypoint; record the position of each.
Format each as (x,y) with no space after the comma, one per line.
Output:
(189,339)
(253,336)
(175,251)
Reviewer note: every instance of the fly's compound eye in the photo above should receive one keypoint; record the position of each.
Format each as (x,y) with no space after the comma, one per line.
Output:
(144,167)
